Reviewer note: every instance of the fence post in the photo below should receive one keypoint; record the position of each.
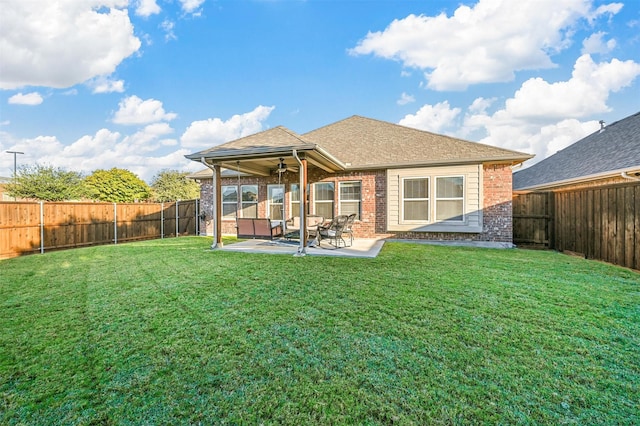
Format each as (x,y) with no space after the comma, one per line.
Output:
(162,220)
(197,232)
(115,223)
(41,227)
(177,220)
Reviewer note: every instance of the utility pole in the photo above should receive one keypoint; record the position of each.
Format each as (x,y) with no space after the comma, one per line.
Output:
(15,163)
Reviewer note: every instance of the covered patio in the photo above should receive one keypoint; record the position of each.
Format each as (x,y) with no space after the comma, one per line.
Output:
(266,154)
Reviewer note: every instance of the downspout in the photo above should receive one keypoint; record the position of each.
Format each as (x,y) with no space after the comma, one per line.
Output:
(627,176)
(302,250)
(214,244)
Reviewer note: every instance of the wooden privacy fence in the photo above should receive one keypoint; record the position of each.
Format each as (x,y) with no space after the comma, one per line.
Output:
(600,222)
(34,227)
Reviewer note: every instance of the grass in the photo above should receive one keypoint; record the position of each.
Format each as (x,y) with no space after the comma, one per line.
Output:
(169,332)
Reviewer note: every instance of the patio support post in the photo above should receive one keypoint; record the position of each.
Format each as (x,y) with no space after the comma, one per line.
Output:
(302,162)
(216,206)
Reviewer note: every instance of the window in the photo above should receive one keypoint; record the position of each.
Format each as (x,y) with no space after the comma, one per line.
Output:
(275,201)
(415,200)
(350,198)
(295,200)
(229,202)
(450,198)
(323,199)
(435,199)
(249,201)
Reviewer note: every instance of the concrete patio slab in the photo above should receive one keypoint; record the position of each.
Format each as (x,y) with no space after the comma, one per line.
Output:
(362,247)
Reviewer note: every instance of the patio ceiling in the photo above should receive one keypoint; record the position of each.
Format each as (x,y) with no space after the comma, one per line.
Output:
(264,160)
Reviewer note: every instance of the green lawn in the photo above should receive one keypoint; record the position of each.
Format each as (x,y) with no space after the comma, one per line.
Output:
(169,332)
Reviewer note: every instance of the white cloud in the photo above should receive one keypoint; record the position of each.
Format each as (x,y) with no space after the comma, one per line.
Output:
(134,110)
(33,98)
(167,26)
(436,118)
(106,85)
(213,131)
(405,99)
(480,105)
(63,43)
(144,152)
(191,6)
(542,118)
(148,139)
(610,9)
(484,43)
(595,44)
(146,8)
(585,93)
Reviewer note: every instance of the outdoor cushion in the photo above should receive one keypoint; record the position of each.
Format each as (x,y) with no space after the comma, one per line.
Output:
(257,228)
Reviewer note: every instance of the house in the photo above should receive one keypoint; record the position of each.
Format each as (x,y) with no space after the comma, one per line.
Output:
(401,182)
(585,199)
(608,156)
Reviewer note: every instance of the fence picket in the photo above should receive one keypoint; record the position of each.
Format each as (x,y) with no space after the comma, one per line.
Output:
(31,227)
(599,222)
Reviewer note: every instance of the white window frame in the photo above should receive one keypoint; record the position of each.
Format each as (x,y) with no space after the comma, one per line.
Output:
(359,200)
(242,202)
(436,199)
(293,202)
(332,201)
(235,203)
(428,199)
(270,203)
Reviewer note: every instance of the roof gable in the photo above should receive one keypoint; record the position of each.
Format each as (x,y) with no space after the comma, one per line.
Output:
(277,137)
(615,147)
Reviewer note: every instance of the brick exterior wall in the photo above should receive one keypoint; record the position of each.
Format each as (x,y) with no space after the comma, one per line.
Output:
(498,196)
(497,214)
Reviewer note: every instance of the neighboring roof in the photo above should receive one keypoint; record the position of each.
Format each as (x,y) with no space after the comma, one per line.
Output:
(362,142)
(607,152)
(354,143)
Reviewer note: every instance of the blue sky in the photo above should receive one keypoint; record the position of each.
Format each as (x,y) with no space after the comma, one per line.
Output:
(89,84)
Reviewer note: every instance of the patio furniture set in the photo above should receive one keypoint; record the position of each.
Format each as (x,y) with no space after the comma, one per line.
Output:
(337,231)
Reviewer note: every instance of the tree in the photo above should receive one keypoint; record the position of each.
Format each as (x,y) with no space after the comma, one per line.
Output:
(46,183)
(116,186)
(172,185)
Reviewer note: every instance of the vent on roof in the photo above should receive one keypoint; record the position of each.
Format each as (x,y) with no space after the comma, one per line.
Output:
(601,125)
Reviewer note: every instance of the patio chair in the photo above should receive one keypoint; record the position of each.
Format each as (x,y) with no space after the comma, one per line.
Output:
(347,228)
(333,231)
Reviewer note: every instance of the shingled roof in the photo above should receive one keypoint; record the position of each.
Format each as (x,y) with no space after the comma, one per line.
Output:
(609,151)
(361,142)
(354,143)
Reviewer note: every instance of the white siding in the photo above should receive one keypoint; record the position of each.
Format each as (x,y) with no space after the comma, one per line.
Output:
(472,198)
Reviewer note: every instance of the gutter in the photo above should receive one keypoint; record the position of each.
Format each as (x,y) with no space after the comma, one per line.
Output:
(214,244)
(582,179)
(330,157)
(452,162)
(627,176)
